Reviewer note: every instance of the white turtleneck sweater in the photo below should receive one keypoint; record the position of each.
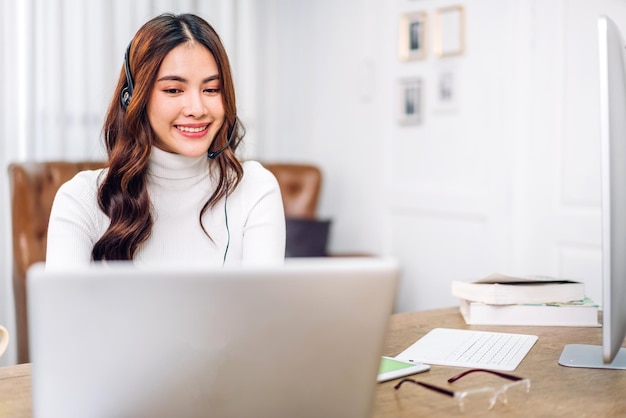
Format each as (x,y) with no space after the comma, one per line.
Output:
(178,187)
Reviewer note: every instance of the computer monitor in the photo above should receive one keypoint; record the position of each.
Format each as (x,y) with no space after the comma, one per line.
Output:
(612,60)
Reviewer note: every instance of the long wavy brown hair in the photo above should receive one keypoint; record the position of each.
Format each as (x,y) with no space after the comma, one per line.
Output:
(129,138)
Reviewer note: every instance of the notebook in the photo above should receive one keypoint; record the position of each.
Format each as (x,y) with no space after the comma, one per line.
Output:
(303,339)
(469,348)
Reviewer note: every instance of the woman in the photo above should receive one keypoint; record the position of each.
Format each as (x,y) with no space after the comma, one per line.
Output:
(174,189)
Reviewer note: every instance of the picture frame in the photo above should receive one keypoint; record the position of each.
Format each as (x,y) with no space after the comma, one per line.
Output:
(412,40)
(446,91)
(410,103)
(449,31)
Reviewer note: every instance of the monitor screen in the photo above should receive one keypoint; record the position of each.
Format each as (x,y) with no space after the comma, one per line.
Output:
(612,70)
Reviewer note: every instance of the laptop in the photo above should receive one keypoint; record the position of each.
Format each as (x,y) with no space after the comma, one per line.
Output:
(299,340)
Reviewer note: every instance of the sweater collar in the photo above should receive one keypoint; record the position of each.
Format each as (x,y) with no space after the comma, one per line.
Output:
(167,165)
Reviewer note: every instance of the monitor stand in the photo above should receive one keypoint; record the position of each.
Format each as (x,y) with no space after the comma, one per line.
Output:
(590,357)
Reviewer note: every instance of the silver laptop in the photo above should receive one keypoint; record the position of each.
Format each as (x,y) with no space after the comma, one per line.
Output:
(300,340)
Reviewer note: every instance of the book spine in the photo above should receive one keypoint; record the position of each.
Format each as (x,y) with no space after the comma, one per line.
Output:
(529,315)
(507,294)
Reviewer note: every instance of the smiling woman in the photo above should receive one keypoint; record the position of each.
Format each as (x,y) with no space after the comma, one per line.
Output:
(174,189)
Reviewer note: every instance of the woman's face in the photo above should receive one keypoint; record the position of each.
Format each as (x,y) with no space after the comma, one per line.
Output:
(185,108)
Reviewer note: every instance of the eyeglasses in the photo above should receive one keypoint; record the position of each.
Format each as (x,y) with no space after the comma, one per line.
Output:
(482,398)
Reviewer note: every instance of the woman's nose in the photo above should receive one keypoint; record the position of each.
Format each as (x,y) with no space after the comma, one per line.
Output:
(194,105)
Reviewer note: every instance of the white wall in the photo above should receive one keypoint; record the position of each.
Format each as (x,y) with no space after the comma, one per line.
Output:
(451,210)
(321,100)
(506,182)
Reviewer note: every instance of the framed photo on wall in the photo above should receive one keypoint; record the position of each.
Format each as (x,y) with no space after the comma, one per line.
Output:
(446,91)
(410,106)
(449,31)
(412,36)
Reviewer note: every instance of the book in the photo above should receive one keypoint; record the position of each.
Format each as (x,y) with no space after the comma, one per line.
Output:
(576,314)
(498,289)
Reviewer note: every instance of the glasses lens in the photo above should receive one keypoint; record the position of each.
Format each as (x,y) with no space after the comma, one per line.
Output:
(476,400)
(516,393)
(484,399)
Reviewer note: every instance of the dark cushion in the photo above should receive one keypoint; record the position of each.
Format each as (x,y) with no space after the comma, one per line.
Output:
(306,237)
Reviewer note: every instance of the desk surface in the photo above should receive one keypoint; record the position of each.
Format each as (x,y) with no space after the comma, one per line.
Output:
(556,390)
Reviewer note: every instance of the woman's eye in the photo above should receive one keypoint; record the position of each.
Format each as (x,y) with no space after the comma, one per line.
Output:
(172,91)
(212,90)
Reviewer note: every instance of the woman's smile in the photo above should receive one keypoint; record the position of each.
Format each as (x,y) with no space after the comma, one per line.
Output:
(192,129)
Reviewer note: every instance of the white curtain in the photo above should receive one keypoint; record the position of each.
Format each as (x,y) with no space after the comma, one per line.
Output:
(60,62)
(72,53)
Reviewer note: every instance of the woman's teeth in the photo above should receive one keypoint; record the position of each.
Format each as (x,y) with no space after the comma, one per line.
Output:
(188,129)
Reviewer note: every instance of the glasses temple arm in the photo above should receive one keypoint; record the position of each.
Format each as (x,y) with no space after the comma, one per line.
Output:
(426,385)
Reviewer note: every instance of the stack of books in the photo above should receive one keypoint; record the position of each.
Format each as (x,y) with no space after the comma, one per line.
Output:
(505,300)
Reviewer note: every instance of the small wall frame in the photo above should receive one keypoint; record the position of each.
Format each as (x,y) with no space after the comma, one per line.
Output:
(446,91)
(412,36)
(449,31)
(410,107)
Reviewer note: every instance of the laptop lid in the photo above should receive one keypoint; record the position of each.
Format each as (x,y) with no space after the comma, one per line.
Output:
(303,339)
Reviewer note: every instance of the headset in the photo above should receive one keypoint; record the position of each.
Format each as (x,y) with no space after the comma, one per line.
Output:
(213,154)
(125,97)
(127,92)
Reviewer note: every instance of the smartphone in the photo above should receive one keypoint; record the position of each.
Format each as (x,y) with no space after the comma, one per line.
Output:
(391,368)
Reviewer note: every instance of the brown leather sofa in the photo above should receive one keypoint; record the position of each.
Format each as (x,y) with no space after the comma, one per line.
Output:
(34,185)
(300,185)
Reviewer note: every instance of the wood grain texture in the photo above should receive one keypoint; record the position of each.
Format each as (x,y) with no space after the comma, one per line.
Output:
(555,391)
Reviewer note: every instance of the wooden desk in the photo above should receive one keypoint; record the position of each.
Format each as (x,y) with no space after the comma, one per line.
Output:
(15,391)
(556,390)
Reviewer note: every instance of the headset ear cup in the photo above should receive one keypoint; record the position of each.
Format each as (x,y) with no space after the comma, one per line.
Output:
(127,92)
(125,98)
